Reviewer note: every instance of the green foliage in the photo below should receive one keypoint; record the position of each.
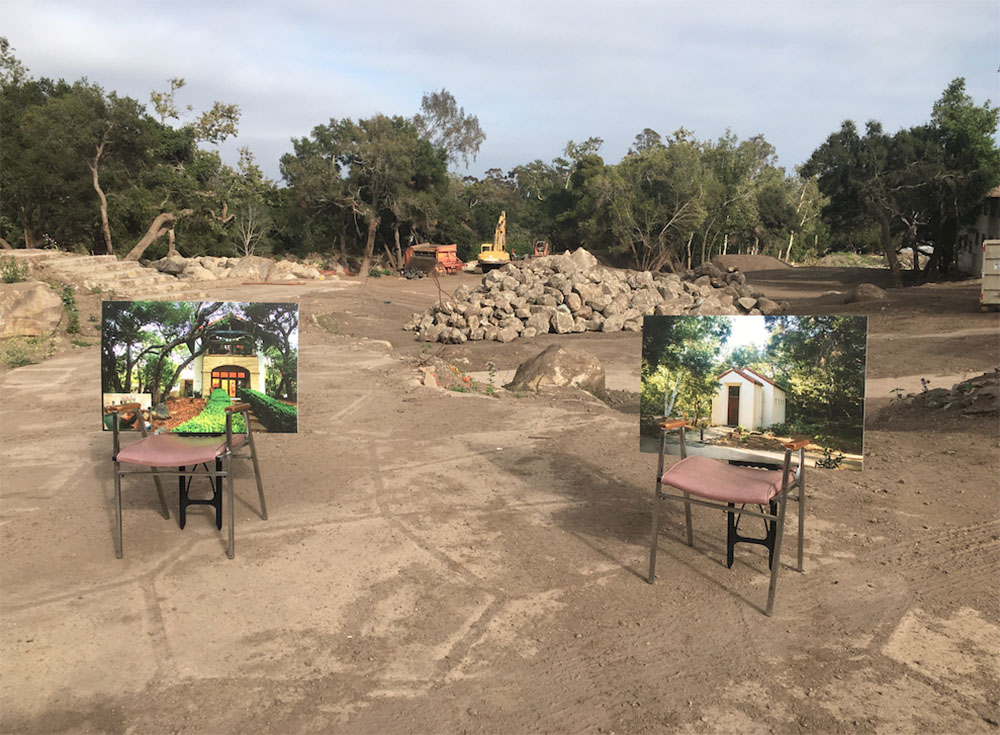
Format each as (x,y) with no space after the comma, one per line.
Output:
(446,126)
(275,415)
(67,294)
(13,270)
(820,362)
(679,368)
(829,461)
(212,419)
(357,188)
(274,324)
(921,183)
(18,354)
(655,202)
(152,342)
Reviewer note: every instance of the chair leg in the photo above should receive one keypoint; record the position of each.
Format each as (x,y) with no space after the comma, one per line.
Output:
(656,535)
(231,551)
(256,472)
(182,493)
(771,529)
(159,492)
(730,534)
(118,513)
(779,532)
(802,519)
(687,521)
(217,493)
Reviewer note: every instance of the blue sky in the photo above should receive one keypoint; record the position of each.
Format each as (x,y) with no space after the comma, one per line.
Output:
(536,73)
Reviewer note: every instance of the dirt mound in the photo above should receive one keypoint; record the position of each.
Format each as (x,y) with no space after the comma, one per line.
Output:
(750,263)
(975,397)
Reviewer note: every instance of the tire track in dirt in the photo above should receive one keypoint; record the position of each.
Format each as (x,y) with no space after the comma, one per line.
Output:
(477,633)
(898,566)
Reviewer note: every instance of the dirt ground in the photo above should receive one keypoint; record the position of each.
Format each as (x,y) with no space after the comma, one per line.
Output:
(450,562)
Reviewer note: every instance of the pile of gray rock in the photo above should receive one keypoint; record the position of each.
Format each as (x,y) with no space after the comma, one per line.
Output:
(573,293)
(249,268)
(978,395)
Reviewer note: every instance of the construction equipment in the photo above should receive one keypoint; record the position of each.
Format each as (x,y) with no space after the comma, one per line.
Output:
(493,255)
(423,259)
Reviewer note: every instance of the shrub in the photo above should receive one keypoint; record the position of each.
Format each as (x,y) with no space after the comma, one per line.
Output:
(275,415)
(69,306)
(12,270)
(17,354)
(212,419)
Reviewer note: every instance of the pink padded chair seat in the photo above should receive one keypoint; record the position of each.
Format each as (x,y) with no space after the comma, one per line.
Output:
(170,450)
(720,481)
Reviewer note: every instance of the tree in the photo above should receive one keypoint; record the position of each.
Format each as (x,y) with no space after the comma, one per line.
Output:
(821,362)
(655,202)
(164,103)
(181,324)
(143,336)
(929,178)
(446,126)
(679,357)
(808,207)
(970,159)
(646,140)
(91,131)
(246,200)
(736,170)
(12,71)
(856,174)
(275,325)
(775,210)
(43,194)
(367,167)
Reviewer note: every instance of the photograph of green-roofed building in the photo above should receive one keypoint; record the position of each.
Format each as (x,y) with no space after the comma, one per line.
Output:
(184,362)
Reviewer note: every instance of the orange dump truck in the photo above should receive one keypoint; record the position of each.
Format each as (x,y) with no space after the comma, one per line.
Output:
(426,258)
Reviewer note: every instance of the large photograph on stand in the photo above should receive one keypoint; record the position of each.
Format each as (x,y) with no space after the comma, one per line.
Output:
(748,384)
(184,362)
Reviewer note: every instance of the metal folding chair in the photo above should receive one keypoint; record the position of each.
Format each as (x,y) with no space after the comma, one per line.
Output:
(185,454)
(724,486)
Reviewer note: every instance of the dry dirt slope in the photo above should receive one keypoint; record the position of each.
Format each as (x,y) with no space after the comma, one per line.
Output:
(438,562)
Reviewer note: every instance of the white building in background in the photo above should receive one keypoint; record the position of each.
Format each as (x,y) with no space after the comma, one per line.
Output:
(748,399)
(969,247)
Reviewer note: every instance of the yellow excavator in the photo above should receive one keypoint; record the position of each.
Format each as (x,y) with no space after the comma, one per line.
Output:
(493,255)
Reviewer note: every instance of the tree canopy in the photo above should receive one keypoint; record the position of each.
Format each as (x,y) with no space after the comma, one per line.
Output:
(919,184)
(86,169)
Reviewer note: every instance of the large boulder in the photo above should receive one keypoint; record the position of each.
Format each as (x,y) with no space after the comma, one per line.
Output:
(560,366)
(197,272)
(865,292)
(768,307)
(29,309)
(173,265)
(583,259)
(253,268)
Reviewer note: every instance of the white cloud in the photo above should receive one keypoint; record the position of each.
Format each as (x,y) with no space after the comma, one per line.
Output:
(536,73)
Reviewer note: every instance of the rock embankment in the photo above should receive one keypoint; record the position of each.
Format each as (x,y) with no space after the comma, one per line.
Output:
(249,268)
(573,293)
